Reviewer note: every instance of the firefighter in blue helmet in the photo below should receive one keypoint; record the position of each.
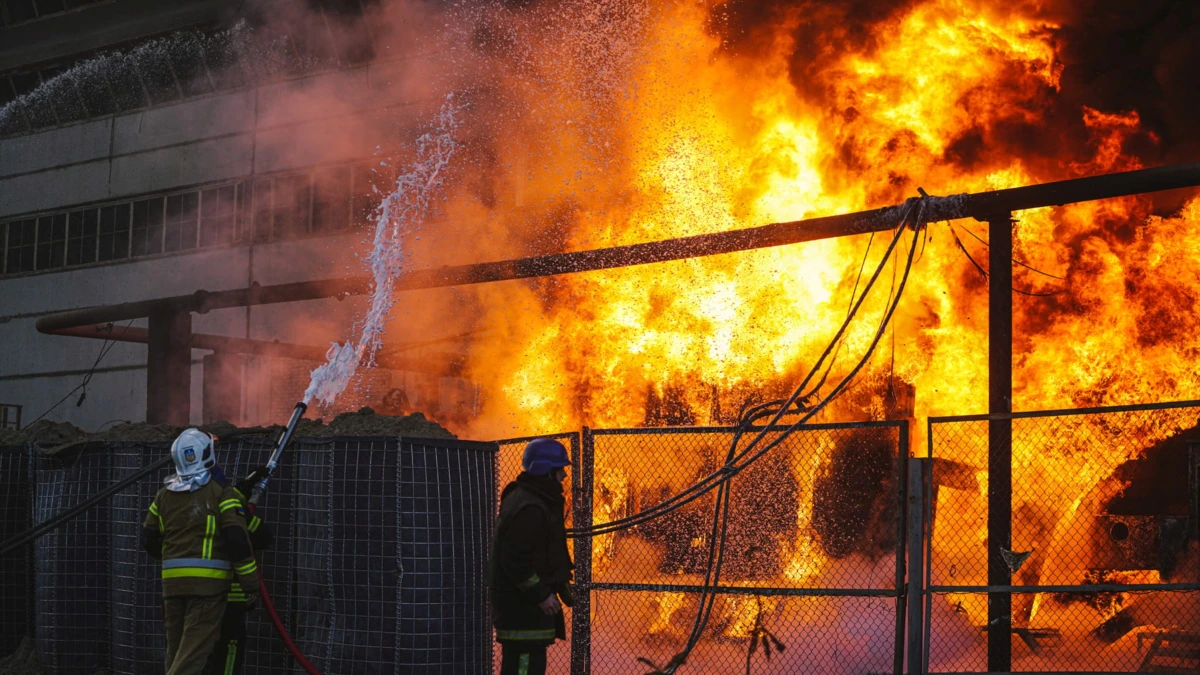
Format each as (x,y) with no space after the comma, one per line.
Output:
(529,569)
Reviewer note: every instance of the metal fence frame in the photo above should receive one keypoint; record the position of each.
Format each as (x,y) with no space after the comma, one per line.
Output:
(583,466)
(922,585)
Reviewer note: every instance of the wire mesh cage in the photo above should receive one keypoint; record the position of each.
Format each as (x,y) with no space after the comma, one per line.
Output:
(377,567)
(16,566)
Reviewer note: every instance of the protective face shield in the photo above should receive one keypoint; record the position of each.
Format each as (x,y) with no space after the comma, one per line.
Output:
(193,453)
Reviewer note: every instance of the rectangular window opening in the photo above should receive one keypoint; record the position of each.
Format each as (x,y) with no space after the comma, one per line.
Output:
(181,221)
(82,231)
(52,241)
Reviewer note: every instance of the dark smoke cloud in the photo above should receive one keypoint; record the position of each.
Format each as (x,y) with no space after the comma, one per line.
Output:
(1136,56)
(1116,58)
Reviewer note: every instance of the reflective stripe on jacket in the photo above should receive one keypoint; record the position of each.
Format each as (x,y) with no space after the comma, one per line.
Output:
(195,530)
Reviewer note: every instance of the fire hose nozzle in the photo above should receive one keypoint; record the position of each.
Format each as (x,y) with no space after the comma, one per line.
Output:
(261,488)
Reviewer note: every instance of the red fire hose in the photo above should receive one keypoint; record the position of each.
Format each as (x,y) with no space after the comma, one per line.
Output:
(256,495)
(279,628)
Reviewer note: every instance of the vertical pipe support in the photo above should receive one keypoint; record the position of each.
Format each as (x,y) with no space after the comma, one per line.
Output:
(169,368)
(1000,360)
(583,464)
(919,478)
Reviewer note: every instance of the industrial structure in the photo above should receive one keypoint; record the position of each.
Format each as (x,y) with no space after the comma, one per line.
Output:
(164,170)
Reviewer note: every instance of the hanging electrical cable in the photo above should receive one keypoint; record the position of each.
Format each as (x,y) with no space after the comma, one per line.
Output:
(719,529)
(984,272)
(910,216)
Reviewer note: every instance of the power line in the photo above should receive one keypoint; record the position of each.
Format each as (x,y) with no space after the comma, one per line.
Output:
(717,542)
(1022,264)
(711,481)
(105,347)
(985,274)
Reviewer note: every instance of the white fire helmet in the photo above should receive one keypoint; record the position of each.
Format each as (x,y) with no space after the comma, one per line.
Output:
(193,453)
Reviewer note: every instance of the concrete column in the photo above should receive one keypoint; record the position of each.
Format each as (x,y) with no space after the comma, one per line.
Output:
(169,368)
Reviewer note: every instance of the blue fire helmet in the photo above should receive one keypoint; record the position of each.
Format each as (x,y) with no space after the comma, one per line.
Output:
(543,456)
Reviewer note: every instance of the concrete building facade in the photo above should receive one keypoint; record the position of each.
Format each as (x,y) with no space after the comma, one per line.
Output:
(194,180)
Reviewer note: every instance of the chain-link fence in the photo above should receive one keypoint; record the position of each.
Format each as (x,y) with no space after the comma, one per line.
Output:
(1094,561)
(813,566)
(380,547)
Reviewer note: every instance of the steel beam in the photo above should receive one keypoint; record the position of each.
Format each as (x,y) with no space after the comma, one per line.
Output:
(1000,360)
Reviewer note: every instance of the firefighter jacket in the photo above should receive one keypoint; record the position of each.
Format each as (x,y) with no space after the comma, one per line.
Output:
(201,538)
(529,561)
(260,540)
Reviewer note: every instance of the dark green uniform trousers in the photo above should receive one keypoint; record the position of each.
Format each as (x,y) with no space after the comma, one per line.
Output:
(230,651)
(522,659)
(193,625)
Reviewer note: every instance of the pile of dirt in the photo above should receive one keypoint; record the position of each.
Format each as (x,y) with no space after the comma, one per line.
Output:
(24,661)
(55,436)
(43,432)
(366,423)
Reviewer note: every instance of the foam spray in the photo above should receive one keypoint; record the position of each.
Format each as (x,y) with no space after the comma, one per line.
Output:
(399,214)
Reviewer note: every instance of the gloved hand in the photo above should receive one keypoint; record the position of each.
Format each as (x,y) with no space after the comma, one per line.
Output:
(248,483)
(253,600)
(566,594)
(550,606)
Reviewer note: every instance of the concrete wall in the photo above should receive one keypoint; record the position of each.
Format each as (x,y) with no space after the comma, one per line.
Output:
(216,138)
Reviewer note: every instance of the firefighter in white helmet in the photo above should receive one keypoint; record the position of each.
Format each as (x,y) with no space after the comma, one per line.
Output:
(197,527)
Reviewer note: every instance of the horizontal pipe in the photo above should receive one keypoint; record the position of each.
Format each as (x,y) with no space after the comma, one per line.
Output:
(437,364)
(981,206)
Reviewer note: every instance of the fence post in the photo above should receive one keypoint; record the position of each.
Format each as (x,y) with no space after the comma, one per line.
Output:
(918,470)
(901,539)
(999,520)
(581,613)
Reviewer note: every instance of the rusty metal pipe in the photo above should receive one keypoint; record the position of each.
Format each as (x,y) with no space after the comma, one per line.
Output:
(442,363)
(981,206)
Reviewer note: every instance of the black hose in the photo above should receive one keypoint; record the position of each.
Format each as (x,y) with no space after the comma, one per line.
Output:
(727,471)
(716,549)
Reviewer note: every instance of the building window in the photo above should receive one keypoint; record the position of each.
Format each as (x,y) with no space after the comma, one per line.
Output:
(331,199)
(274,208)
(22,235)
(10,416)
(147,227)
(181,222)
(218,215)
(367,191)
(292,207)
(263,207)
(82,231)
(51,241)
(114,233)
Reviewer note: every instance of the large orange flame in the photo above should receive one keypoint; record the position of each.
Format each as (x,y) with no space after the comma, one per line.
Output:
(695,137)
